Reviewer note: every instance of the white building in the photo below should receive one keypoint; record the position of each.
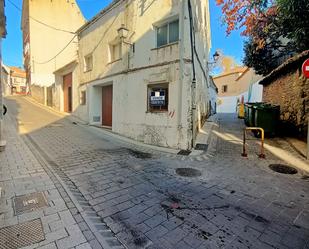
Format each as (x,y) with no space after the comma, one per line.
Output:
(5,77)
(134,72)
(238,85)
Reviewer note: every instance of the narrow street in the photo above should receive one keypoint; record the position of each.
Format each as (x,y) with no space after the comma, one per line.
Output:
(120,195)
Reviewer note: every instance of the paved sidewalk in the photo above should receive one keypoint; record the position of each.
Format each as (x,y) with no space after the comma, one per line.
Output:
(22,174)
(232,202)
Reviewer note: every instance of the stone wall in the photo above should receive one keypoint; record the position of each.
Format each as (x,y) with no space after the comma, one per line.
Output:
(37,93)
(291,92)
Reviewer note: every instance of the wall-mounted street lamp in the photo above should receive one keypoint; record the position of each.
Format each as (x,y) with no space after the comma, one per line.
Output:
(123,32)
(215,57)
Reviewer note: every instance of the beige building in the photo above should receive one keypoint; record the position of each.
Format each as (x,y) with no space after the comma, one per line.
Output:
(134,71)
(17,80)
(49,41)
(238,84)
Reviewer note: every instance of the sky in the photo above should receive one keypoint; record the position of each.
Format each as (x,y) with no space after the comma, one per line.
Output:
(12,44)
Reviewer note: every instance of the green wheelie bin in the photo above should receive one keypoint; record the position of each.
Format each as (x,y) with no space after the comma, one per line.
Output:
(247,106)
(267,117)
(250,113)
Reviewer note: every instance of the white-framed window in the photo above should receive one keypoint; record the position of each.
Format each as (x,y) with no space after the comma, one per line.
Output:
(115,52)
(168,33)
(88,63)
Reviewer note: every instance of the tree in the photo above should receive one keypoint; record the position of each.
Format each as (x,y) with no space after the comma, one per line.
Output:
(294,22)
(244,14)
(275,29)
(261,59)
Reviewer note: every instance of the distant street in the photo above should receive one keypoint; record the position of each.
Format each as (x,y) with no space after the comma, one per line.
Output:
(127,195)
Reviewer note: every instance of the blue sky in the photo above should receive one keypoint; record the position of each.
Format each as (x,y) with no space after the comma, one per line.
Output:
(12,45)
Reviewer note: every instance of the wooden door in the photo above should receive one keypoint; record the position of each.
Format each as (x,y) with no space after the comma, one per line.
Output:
(107,105)
(67,92)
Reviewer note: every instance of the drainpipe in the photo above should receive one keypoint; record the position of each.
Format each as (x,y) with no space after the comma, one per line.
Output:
(193,84)
(181,63)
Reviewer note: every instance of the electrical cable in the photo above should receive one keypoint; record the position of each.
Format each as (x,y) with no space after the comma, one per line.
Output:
(38,21)
(54,57)
(45,62)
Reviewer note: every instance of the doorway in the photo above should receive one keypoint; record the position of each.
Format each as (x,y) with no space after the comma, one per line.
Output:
(107,106)
(67,92)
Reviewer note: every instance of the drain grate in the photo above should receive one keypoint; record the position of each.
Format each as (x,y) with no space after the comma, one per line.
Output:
(21,235)
(202,147)
(188,172)
(184,152)
(283,169)
(28,203)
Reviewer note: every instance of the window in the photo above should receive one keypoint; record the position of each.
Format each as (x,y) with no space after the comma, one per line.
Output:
(224,88)
(168,33)
(115,52)
(88,63)
(158,98)
(83,97)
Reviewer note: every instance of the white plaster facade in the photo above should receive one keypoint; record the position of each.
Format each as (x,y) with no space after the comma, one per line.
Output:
(5,77)
(133,24)
(47,41)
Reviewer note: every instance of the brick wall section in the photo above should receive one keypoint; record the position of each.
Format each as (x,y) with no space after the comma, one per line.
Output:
(291,92)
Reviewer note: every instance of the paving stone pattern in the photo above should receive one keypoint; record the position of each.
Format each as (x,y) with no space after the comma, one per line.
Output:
(20,174)
(236,202)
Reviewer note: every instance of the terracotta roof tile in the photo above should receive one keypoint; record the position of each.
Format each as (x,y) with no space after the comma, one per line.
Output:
(18,72)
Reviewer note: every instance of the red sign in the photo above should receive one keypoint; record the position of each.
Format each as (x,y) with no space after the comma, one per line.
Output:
(306,68)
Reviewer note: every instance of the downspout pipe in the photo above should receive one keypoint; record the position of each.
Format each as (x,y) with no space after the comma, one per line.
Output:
(181,64)
(193,84)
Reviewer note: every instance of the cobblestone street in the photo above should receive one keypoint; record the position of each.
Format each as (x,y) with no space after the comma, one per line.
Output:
(105,193)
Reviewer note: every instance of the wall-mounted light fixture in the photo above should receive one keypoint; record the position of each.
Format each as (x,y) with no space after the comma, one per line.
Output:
(215,57)
(123,32)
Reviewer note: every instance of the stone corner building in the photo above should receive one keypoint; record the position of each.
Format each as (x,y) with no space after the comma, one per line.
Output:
(287,87)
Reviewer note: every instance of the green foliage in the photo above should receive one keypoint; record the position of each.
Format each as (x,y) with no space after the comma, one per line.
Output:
(294,22)
(261,59)
(284,34)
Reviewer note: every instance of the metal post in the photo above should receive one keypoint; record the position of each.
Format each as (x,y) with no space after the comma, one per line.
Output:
(2,141)
(244,153)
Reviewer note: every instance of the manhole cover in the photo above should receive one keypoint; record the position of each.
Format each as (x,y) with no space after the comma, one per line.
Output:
(139,154)
(21,235)
(28,203)
(188,172)
(202,147)
(283,169)
(184,152)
